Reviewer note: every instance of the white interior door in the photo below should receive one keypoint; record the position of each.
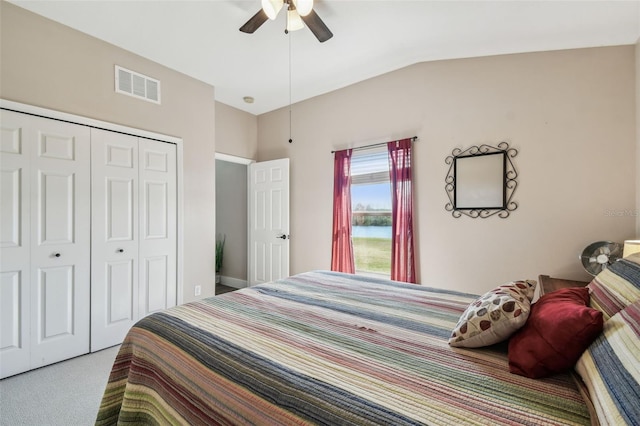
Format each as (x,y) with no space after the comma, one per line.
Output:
(268,255)
(158,248)
(15,289)
(114,244)
(60,239)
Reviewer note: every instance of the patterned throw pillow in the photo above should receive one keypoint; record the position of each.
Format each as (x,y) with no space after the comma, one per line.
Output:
(495,316)
(610,368)
(616,287)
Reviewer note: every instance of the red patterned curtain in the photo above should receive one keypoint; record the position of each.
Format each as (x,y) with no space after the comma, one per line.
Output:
(402,253)
(342,248)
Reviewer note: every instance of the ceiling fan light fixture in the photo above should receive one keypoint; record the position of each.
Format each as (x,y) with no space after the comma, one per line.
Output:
(294,22)
(272,7)
(303,7)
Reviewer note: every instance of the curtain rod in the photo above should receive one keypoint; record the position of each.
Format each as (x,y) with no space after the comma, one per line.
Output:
(413,139)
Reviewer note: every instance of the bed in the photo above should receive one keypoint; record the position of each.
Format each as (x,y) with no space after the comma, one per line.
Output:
(324,348)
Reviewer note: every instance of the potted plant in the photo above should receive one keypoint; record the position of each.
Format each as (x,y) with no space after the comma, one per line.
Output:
(219,254)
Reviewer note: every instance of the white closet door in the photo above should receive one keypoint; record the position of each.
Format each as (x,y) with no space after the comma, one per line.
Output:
(45,287)
(158,249)
(60,239)
(15,294)
(114,245)
(88,237)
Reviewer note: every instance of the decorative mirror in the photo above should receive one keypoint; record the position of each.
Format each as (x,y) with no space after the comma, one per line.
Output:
(481,181)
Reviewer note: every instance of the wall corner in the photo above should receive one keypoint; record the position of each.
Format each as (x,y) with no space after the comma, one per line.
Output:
(637,57)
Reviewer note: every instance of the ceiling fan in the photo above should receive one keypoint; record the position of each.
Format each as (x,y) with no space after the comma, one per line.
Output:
(298,11)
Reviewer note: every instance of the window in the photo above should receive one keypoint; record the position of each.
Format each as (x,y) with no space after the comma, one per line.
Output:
(371,211)
(353,252)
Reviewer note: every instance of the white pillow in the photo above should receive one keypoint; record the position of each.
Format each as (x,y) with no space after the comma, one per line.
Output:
(494,316)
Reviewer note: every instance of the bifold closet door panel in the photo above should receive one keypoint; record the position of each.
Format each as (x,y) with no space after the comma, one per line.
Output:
(158,244)
(60,240)
(114,245)
(15,245)
(134,245)
(46,189)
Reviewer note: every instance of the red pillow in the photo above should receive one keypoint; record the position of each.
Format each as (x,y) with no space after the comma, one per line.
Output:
(560,327)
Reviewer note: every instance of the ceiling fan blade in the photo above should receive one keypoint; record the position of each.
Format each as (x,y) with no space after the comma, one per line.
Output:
(317,27)
(254,23)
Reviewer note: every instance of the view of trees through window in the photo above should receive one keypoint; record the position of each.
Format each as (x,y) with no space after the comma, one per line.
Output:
(371,225)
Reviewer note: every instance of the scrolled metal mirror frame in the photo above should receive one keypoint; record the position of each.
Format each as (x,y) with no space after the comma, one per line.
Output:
(510,181)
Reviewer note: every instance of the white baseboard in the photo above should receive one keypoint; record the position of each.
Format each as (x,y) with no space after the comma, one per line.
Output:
(233,282)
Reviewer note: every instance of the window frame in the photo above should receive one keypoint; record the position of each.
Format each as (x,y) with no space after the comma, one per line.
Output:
(376,176)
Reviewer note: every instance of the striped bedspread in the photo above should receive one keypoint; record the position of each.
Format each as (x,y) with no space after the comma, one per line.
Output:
(323,348)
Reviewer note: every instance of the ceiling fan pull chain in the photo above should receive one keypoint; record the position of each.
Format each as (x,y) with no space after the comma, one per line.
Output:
(290,139)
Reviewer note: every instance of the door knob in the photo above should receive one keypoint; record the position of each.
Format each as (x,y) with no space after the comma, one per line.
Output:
(57,254)
(283,236)
(120,250)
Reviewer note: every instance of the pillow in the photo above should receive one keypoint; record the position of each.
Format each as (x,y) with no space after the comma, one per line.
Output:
(494,316)
(616,287)
(610,368)
(560,327)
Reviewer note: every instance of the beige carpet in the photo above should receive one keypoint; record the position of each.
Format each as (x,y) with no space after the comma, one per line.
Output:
(67,393)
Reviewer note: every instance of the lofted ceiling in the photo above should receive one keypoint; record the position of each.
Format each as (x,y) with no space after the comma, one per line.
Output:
(201,38)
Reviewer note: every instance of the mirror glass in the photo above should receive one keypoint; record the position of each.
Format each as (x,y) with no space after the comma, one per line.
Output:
(480,181)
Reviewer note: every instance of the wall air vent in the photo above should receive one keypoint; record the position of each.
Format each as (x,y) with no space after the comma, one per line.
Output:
(137,85)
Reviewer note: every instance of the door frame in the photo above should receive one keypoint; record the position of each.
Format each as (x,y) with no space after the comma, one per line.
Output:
(86,121)
(245,162)
(234,159)
(248,162)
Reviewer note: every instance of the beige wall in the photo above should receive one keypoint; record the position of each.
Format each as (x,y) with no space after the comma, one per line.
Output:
(570,114)
(638,139)
(231,217)
(49,65)
(236,135)
(236,132)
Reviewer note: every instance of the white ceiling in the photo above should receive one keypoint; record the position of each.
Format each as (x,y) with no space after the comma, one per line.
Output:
(201,38)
